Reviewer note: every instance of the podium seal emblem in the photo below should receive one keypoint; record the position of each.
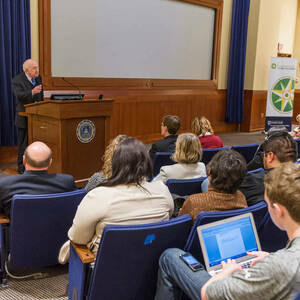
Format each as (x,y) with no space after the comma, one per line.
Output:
(85,131)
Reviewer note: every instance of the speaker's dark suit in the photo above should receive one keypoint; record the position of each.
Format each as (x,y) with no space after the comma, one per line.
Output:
(33,183)
(22,88)
(165,145)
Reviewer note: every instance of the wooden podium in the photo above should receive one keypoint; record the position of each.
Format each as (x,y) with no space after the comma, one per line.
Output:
(76,131)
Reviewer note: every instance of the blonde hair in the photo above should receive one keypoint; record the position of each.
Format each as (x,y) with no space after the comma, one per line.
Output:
(200,126)
(282,186)
(298,118)
(188,149)
(108,154)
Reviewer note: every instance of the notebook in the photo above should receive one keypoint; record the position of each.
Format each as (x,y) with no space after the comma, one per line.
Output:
(230,238)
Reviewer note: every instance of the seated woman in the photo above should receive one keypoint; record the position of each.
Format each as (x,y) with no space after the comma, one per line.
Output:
(188,155)
(202,128)
(225,171)
(296,131)
(125,198)
(105,173)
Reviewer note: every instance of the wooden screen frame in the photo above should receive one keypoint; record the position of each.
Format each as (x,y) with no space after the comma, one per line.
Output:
(52,83)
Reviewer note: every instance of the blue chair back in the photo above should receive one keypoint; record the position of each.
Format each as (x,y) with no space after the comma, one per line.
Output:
(256,170)
(39,225)
(271,237)
(161,159)
(297,297)
(247,151)
(209,153)
(185,187)
(127,261)
(193,245)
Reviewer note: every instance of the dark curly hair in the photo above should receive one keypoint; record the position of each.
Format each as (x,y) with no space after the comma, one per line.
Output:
(282,145)
(227,170)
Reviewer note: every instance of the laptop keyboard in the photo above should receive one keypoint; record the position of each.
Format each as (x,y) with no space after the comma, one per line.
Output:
(246,265)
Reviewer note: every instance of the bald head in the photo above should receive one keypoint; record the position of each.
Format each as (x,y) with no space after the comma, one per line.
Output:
(37,156)
(31,68)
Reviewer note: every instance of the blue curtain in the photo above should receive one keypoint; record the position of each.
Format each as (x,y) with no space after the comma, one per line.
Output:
(15,48)
(237,57)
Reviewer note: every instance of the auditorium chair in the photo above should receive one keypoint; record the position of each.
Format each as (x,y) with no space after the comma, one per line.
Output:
(185,187)
(162,159)
(258,210)
(271,237)
(126,264)
(37,228)
(247,151)
(256,170)
(297,297)
(209,153)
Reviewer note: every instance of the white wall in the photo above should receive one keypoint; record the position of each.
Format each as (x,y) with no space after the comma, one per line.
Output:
(131,39)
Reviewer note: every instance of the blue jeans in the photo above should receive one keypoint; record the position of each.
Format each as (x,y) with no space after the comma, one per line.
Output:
(174,276)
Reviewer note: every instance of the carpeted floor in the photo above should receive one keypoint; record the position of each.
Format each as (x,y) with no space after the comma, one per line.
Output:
(51,286)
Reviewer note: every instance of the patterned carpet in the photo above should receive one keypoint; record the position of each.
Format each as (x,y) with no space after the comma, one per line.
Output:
(52,286)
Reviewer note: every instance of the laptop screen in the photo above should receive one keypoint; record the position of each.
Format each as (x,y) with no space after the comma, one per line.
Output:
(229,240)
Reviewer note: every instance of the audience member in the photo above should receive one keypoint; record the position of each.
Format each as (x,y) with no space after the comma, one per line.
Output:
(225,171)
(124,198)
(203,129)
(258,159)
(270,276)
(296,131)
(36,179)
(188,155)
(105,173)
(169,127)
(277,149)
(27,87)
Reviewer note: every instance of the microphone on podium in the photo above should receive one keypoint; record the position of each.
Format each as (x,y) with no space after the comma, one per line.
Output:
(71,84)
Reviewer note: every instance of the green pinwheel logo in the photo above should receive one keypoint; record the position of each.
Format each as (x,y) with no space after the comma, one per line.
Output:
(283,94)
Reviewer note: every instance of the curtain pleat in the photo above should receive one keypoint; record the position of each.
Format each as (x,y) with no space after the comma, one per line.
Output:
(15,48)
(237,58)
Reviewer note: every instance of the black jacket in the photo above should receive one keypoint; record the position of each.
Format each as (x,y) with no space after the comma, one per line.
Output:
(253,186)
(22,88)
(165,145)
(33,183)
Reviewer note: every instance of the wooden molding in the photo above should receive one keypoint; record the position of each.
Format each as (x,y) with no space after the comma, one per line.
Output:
(50,82)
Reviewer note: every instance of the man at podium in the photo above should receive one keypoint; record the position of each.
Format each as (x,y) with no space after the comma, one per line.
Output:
(27,87)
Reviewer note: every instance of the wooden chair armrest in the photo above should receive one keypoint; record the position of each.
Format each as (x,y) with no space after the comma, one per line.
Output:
(81,182)
(84,253)
(3,219)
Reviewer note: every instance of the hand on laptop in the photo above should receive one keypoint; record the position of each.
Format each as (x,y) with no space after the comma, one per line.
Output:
(260,255)
(231,266)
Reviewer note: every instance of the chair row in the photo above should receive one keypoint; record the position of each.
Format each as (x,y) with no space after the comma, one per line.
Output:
(186,187)
(164,158)
(127,261)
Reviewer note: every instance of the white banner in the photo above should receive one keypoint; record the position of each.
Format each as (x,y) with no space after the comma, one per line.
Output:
(280,101)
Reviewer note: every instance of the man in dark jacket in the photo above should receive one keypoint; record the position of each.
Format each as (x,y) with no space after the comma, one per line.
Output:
(169,127)
(279,148)
(36,180)
(27,87)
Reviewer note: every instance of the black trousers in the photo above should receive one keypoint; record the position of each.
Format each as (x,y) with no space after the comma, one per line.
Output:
(22,144)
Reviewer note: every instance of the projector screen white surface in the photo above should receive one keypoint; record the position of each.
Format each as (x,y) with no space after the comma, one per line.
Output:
(164,39)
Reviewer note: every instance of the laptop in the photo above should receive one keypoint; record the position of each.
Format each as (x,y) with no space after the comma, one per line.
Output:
(230,238)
